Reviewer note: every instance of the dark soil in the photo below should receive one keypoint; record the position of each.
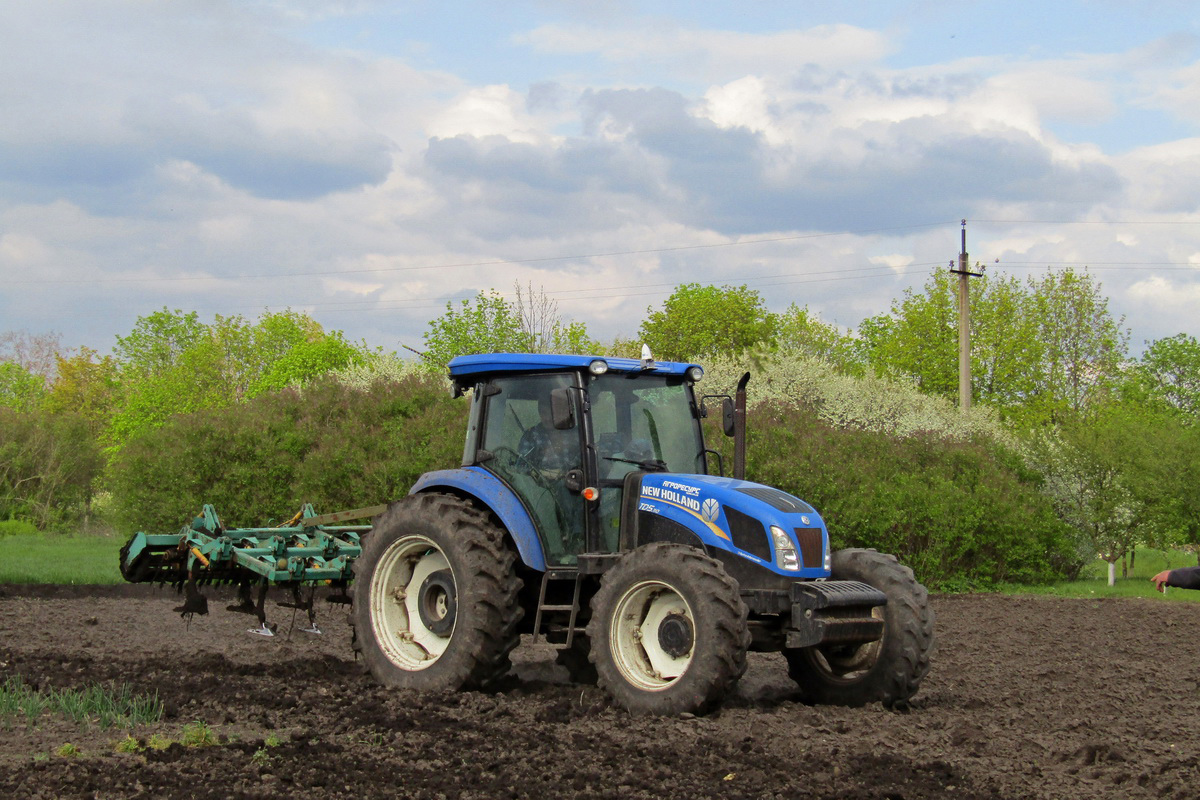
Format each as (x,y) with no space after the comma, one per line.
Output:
(1028,698)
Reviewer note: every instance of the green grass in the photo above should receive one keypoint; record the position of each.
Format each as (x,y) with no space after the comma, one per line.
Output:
(106,706)
(59,558)
(1093,581)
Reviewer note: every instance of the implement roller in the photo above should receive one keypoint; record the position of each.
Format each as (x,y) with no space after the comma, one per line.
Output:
(308,550)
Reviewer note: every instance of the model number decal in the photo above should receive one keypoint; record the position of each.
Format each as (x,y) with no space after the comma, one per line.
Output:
(653,509)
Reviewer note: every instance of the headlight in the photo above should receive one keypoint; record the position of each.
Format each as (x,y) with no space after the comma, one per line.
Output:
(785,550)
(694,374)
(598,367)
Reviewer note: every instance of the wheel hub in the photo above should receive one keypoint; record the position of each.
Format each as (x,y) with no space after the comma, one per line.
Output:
(437,603)
(676,635)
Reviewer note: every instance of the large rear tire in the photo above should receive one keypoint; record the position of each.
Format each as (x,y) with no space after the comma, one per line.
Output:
(888,670)
(668,631)
(435,596)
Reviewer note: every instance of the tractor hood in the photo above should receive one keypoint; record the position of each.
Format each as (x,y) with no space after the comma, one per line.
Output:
(764,525)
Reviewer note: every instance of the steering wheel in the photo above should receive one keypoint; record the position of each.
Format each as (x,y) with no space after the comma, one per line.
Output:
(515,462)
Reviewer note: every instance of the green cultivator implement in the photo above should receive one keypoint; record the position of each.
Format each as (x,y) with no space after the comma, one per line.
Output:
(307,551)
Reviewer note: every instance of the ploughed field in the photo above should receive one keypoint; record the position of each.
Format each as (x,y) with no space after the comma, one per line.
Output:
(1028,697)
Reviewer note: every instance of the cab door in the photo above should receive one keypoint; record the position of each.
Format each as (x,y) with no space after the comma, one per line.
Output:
(533,453)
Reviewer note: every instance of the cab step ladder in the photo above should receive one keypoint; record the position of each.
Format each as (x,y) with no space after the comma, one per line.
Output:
(560,574)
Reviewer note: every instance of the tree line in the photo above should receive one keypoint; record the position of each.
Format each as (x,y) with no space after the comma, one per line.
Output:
(1086,450)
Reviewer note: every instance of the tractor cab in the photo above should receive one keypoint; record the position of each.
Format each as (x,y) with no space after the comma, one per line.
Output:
(565,433)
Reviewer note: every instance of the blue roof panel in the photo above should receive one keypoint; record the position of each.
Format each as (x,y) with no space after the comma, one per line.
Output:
(490,363)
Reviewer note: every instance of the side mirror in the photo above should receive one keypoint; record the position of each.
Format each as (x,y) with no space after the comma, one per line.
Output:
(561,409)
(727,416)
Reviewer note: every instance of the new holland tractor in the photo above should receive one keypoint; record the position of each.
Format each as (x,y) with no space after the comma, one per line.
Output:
(588,512)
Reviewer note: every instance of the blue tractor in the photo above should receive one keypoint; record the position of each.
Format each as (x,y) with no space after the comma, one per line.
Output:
(586,512)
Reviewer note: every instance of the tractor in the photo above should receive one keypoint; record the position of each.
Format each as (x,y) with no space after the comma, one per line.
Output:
(588,513)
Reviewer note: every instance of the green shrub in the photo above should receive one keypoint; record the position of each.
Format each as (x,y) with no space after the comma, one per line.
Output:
(955,511)
(333,445)
(17,527)
(48,465)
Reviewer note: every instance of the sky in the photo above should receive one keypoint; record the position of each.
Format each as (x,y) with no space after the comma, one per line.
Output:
(369,162)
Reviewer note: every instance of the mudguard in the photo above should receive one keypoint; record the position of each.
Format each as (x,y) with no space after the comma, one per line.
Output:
(491,491)
(737,516)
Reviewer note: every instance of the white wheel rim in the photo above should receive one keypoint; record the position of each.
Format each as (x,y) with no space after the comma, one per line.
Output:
(634,635)
(395,619)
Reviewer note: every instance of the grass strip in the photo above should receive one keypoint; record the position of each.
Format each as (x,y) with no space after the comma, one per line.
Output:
(60,558)
(106,706)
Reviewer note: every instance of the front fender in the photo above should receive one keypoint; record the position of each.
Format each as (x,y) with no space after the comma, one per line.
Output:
(493,493)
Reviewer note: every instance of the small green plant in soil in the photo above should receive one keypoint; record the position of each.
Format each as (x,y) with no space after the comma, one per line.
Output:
(18,700)
(127,745)
(68,750)
(198,734)
(105,705)
(159,742)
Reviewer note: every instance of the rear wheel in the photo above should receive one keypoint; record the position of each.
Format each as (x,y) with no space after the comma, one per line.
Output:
(668,631)
(435,596)
(888,670)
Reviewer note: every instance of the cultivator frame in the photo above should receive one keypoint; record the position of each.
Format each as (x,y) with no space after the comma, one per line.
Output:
(308,550)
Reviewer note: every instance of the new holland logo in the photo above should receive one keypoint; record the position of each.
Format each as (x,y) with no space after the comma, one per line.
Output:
(710,510)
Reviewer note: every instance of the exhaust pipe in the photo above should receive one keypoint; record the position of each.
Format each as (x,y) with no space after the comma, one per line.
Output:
(739,429)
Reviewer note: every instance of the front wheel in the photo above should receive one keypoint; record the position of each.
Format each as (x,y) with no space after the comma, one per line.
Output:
(888,670)
(435,596)
(668,631)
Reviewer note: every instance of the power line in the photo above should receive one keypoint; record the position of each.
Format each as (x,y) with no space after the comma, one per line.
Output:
(608,292)
(603,293)
(1088,221)
(495,262)
(1087,264)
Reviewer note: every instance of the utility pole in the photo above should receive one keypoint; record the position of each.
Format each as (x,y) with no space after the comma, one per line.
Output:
(964,322)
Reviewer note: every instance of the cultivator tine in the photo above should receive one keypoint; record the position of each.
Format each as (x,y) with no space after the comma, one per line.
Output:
(244,605)
(263,629)
(306,605)
(193,601)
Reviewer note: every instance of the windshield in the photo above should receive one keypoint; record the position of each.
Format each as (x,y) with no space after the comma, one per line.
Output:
(644,422)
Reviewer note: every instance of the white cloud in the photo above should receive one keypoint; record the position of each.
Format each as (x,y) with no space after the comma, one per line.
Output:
(487,111)
(205,140)
(716,55)
(21,251)
(895,261)
(1163,296)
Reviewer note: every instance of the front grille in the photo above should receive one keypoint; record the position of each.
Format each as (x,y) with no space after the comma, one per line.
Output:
(812,549)
(780,501)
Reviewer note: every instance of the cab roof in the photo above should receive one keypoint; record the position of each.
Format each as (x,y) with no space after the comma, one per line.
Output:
(464,368)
